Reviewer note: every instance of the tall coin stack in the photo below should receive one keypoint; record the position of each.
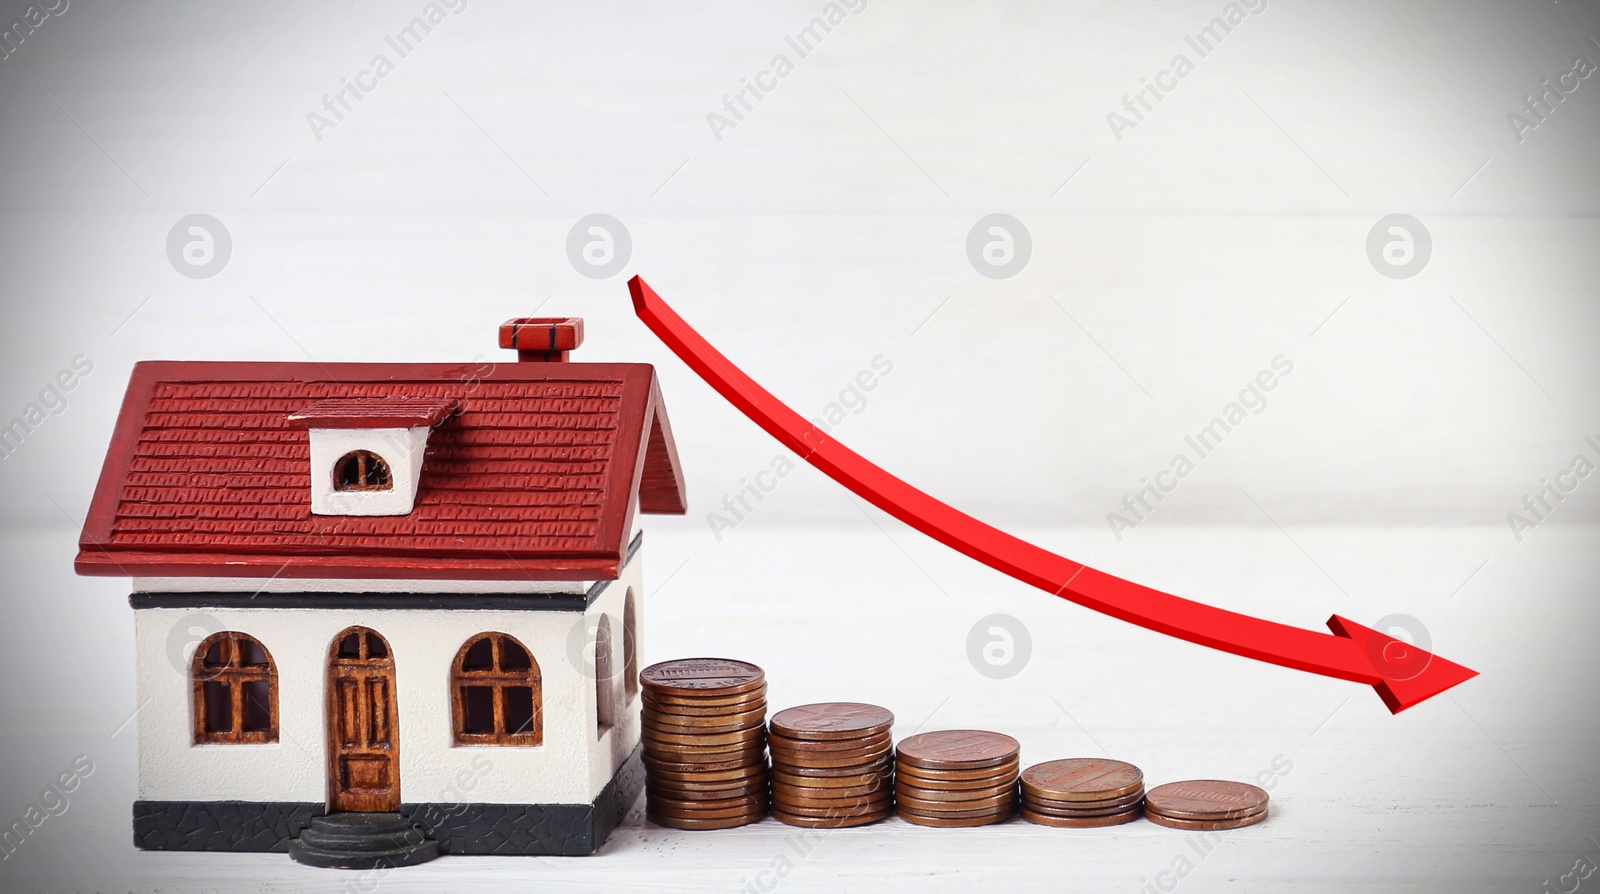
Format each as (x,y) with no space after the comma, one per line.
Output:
(1206,804)
(831,765)
(704,736)
(1082,793)
(957,777)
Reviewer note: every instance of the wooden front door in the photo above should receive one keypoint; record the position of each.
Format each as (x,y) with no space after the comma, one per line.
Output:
(363,742)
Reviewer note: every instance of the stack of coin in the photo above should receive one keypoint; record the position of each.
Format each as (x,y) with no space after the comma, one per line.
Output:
(831,766)
(1206,804)
(704,736)
(1082,793)
(959,777)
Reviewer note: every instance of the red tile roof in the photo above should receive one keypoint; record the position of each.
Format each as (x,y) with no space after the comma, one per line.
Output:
(534,476)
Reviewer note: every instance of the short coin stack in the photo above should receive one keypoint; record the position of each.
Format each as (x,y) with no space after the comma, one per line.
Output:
(1082,793)
(957,777)
(704,736)
(1206,805)
(831,765)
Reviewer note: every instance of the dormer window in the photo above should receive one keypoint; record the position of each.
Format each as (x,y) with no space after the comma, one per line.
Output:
(362,470)
(366,452)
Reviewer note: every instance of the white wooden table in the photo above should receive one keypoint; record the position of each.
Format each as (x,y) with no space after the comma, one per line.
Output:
(1492,787)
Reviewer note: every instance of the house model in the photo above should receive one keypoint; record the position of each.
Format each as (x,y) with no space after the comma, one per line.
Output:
(385,611)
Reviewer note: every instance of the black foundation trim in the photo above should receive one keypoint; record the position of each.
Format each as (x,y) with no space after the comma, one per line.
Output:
(461,828)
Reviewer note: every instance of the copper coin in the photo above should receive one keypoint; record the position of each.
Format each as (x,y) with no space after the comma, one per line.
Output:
(697,791)
(1082,779)
(874,766)
(953,822)
(831,791)
(735,774)
(691,705)
(1206,799)
(958,749)
(929,794)
(880,742)
(924,805)
(724,807)
(689,753)
(827,810)
(832,720)
(669,723)
(817,761)
(861,795)
(706,823)
(755,758)
(1044,810)
(736,737)
(1007,768)
(831,822)
(691,676)
(846,781)
(1206,825)
(1079,822)
(1048,805)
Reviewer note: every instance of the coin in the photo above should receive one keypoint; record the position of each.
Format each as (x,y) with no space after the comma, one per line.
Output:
(692,792)
(875,765)
(832,720)
(878,743)
(723,723)
(1048,805)
(1008,768)
(1082,779)
(698,763)
(706,823)
(710,740)
(957,749)
(830,822)
(924,805)
(1206,825)
(1036,807)
(949,822)
(690,705)
(710,809)
(852,809)
(930,794)
(749,771)
(1206,799)
(781,777)
(1079,822)
(690,676)
(832,797)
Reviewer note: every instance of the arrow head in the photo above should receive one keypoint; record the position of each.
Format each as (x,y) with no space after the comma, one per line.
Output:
(1409,675)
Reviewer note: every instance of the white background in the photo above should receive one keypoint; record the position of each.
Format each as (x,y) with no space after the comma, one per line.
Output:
(827,228)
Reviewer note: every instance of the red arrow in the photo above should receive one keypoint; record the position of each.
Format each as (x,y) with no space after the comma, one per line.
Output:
(1402,674)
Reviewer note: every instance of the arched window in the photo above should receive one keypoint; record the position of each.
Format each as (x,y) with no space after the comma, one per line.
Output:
(630,647)
(496,694)
(235,691)
(605,704)
(362,470)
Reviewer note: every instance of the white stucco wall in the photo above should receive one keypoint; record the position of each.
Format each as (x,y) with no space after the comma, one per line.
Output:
(570,767)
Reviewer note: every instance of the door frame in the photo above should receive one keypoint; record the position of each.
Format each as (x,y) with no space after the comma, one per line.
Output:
(375,741)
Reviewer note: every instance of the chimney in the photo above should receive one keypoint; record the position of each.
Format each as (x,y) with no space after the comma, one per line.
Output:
(542,339)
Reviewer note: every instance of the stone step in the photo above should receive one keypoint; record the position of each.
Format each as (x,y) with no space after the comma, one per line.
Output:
(362,841)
